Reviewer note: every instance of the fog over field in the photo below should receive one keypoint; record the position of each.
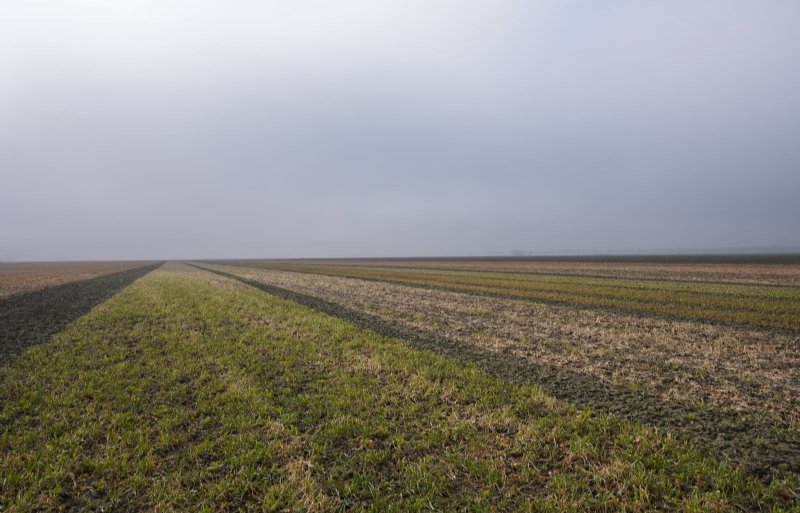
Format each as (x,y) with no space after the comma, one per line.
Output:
(138,130)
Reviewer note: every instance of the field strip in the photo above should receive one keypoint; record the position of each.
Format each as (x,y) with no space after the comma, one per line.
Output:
(775,308)
(24,278)
(32,318)
(774,273)
(654,279)
(740,438)
(590,283)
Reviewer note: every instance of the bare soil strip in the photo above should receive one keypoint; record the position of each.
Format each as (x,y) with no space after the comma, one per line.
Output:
(26,277)
(742,438)
(32,318)
(780,272)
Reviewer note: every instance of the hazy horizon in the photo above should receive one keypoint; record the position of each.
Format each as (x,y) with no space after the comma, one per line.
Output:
(172,130)
(755,252)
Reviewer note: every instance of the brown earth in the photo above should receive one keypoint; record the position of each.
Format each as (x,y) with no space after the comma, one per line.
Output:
(22,278)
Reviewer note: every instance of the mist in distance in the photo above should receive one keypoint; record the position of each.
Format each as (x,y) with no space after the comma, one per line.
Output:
(200,129)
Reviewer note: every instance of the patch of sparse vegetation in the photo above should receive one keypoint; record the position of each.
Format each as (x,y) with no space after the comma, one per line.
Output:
(748,305)
(753,269)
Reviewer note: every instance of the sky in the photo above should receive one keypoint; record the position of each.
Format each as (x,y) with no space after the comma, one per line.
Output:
(163,129)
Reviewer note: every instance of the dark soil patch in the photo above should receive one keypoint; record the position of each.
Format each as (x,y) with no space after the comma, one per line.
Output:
(32,318)
(743,439)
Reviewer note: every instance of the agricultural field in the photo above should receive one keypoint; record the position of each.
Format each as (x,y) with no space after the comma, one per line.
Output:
(767,306)
(21,278)
(763,270)
(404,386)
(31,317)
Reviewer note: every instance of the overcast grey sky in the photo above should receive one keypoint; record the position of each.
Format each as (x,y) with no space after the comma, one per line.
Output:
(176,129)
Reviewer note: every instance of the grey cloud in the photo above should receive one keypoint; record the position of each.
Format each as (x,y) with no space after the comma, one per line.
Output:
(202,129)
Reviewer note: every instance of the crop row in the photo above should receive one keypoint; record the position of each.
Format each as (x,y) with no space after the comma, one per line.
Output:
(758,306)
